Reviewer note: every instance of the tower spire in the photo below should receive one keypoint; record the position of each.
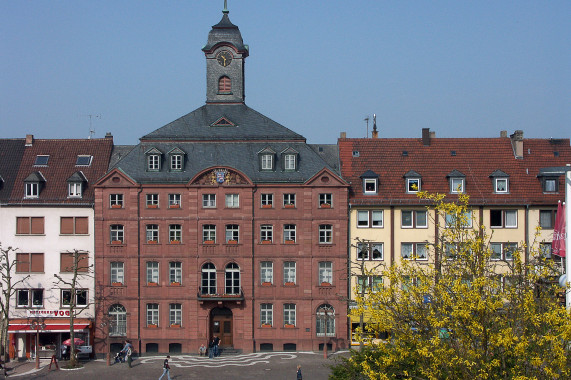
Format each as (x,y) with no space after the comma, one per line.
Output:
(225,10)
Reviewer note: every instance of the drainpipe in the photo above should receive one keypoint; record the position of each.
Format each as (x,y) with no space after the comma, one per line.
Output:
(253,269)
(526,224)
(139,268)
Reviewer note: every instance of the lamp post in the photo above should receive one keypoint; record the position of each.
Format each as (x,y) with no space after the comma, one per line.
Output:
(38,325)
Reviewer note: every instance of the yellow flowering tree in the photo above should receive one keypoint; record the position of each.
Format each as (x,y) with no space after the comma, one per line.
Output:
(467,315)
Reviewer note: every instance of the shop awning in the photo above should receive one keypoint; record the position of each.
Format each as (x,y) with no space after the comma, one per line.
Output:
(25,328)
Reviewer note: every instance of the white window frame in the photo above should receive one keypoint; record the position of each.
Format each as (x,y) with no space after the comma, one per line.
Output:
(232,200)
(416,249)
(504,253)
(208,279)
(266,272)
(175,232)
(290,232)
(290,270)
(74,189)
(267,232)
(232,232)
(208,232)
(117,233)
(326,199)
(290,162)
(32,189)
(325,234)
(232,283)
(152,232)
(152,272)
(410,185)
(325,272)
(504,218)
(267,199)
(289,314)
(175,272)
(366,185)
(153,162)
(176,162)
(175,314)
(501,189)
(209,200)
(289,199)
(117,274)
(77,298)
(116,199)
(414,219)
(153,314)
(152,199)
(456,185)
(449,220)
(175,200)
(266,314)
(267,162)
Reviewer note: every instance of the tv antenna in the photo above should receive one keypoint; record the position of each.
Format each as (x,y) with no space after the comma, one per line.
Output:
(91,130)
(367,121)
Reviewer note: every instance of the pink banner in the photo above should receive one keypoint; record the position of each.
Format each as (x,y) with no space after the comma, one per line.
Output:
(559,234)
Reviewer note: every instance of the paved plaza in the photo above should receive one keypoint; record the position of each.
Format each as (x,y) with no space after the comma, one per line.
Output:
(264,365)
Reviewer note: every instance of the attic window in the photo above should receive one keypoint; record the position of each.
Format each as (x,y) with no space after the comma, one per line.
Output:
(355,153)
(83,161)
(453,153)
(41,161)
(405,153)
(223,122)
(289,158)
(555,154)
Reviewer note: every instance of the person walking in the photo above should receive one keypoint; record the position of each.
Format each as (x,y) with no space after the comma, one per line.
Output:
(166,368)
(211,349)
(299,377)
(130,355)
(216,346)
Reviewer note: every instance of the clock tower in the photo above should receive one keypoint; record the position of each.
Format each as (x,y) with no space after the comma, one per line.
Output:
(225,57)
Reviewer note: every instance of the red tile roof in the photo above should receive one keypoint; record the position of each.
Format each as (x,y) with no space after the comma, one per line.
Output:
(476,158)
(61,166)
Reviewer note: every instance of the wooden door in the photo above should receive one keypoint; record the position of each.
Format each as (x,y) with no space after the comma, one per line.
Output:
(222,327)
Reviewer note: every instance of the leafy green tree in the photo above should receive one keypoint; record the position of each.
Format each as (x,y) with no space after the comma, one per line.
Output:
(468,314)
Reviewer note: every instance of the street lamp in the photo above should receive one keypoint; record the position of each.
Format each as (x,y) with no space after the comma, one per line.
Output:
(38,325)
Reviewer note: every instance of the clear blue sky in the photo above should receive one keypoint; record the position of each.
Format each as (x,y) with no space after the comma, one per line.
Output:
(461,68)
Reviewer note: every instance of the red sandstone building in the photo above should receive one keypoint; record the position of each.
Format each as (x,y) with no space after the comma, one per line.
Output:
(222,222)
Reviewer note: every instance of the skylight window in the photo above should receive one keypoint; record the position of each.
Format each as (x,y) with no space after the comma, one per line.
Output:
(41,161)
(83,160)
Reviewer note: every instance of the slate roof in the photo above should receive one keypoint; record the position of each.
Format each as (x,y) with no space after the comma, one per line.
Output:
(61,167)
(476,158)
(249,125)
(242,156)
(226,32)
(11,151)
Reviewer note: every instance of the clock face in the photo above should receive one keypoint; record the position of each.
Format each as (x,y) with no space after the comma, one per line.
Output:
(224,58)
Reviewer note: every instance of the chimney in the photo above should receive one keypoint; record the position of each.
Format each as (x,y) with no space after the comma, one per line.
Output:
(503,133)
(517,143)
(375,133)
(432,134)
(426,136)
(29,140)
(108,135)
(343,135)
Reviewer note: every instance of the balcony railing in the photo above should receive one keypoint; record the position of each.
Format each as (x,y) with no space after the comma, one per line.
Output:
(220,296)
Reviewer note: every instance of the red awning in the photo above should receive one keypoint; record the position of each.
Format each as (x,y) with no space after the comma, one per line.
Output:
(21,328)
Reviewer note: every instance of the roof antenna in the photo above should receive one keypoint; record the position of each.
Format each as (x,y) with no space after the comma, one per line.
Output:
(367,121)
(91,130)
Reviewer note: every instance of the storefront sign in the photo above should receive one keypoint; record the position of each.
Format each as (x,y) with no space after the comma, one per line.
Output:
(47,313)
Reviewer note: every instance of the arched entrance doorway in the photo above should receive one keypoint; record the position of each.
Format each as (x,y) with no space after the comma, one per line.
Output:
(221,325)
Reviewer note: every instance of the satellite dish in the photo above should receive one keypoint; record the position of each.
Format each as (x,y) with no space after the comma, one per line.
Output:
(563,280)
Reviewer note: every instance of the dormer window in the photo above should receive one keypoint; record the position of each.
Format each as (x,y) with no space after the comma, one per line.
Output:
(176,160)
(413,182)
(370,182)
(153,160)
(75,185)
(267,159)
(41,160)
(289,158)
(500,181)
(456,180)
(549,178)
(33,185)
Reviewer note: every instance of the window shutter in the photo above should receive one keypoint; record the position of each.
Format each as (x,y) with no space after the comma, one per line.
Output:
(22,262)
(37,262)
(66,262)
(23,225)
(82,262)
(81,225)
(66,225)
(38,225)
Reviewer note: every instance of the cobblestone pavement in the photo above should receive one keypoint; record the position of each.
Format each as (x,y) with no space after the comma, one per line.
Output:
(259,366)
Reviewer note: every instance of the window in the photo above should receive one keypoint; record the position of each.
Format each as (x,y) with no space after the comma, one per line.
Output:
(152,314)
(232,233)
(117,273)
(175,314)
(503,218)
(116,200)
(152,200)
(501,185)
(267,200)
(370,251)
(413,219)
(41,161)
(208,200)
(325,200)
(208,233)
(266,232)
(26,225)
(267,272)
(546,250)
(175,233)
(267,161)
(32,189)
(174,201)
(460,221)
(369,284)
(550,185)
(373,218)
(29,262)
(266,314)
(370,185)
(74,189)
(289,272)
(152,233)
(325,320)
(547,218)
(289,314)
(289,232)
(83,160)
(175,272)
(412,185)
(232,279)
(67,261)
(176,162)
(290,162)
(456,185)
(30,298)
(325,234)
(81,299)
(152,272)
(289,200)
(74,225)
(117,320)
(117,234)
(153,162)
(208,279)
(414,251)
(224,84)
(232,200)
(326,272)
(503,251)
